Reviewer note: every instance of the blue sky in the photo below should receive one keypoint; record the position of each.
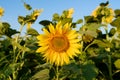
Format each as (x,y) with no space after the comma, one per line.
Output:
(15,8)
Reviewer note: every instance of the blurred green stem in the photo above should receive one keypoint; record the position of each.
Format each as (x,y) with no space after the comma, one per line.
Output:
(20,30)
(110,66)
(109,55)
(16,40)
(57,73)
(14,49)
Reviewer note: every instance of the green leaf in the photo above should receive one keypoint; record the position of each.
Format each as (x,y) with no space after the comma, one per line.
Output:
(89,70)
(1,28)
(93,26)
(112,32)
(79,21)
(6,43)
(4,27)
(66,20)
(5,24)
(116,22)
(71,71)
(45,65)
(117,63)
(104,4)
(41,75)
(8,70)
(11,32)
(64,14)
(117,12)
(27,6)
(56,17)
(45,22)
(91,19)
(73,25)
(6,30)
(90,29)
(104,43)
(21,20)
(19,46)
(32,32)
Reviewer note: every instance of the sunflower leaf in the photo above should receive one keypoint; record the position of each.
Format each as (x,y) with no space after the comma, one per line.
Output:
(117,12)
(56,17)
(116,22)
(21,19)
(45,22)
(41,75)
(89,71)
(32,32)
(79,21)
(27,6)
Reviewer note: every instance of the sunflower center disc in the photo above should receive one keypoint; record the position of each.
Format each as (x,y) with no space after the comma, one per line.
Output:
(59,43)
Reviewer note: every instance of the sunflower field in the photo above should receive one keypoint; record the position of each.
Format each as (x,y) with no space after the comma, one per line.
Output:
(62,52)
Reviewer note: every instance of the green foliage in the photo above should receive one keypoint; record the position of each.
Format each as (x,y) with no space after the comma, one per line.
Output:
(27,6)
(43,74)
(117,13)
(32,32)
(89,71)
(6,30)
(112,32)
(104,4)
(79,21)
(116,23)
(91,19)
(45,22)
(31,18)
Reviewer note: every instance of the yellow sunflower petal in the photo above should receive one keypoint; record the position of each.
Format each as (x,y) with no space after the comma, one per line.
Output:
(66,27)
(71,52)
(65,57)
(46,57)
(40,43)
(76,50)
(46,31)
(59,27)
(74,40)
(76,45)
(71,32)
(58,59)
(51,28)
(62,59)
(42,37)
(42,49)
(54,57)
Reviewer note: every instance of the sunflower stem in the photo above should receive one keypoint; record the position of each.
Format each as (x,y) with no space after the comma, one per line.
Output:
(15,58)
(57,73)
(16,40)
(109,55)
(110,67)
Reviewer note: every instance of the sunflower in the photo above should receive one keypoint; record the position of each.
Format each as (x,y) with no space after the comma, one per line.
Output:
(107,14)
(70,12)
(1,11)
(59,44)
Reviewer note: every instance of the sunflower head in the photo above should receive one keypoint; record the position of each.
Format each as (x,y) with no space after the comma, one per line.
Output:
(70,13)
(1,11)
(106,14)
(58,44)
